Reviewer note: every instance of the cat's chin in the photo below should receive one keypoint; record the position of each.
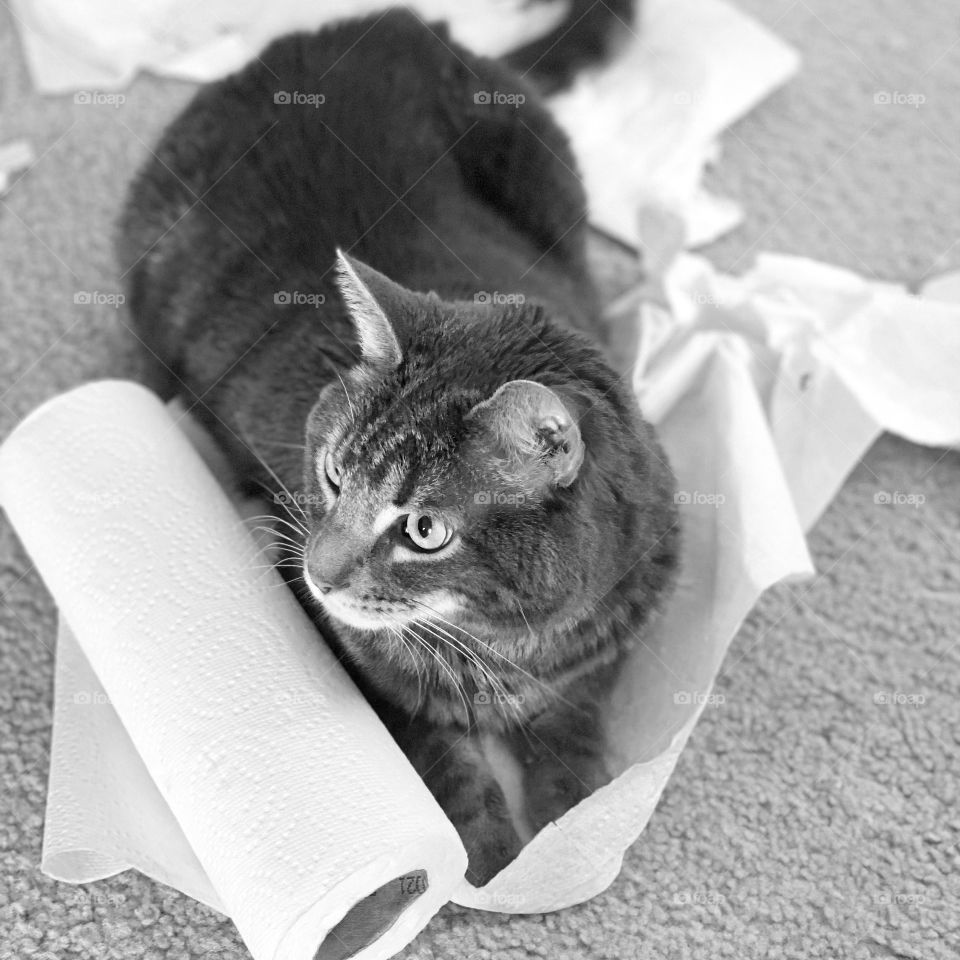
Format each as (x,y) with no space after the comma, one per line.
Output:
(360,617)
(377,617)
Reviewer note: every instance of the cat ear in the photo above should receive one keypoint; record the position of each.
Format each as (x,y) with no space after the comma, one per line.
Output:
(358,282)
(534,431)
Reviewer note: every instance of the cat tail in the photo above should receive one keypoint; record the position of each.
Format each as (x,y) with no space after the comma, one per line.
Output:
(584,37)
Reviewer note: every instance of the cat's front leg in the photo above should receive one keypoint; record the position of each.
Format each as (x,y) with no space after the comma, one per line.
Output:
(562,753)
(452,764)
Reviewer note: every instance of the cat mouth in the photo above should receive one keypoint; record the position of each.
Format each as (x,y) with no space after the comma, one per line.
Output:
(370,612)
(365,615)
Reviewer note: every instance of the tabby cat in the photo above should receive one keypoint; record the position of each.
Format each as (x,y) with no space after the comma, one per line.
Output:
(361,259)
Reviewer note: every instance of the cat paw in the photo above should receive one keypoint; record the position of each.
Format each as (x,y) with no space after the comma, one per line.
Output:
(491,845)
(553,788)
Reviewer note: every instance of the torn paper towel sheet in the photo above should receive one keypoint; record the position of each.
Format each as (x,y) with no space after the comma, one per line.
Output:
(204,734)
(646,125)
(765,390)
(102,44)
(834,360)
(643,125)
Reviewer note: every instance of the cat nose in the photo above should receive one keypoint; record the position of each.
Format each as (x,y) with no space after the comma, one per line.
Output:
(326,580)
(330,575)
(332,560)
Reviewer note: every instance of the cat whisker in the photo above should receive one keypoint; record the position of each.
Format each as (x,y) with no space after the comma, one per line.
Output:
(399,631)
(261,516)
(287,583)
(476,639)
(545,686)
(284,502)
(278,553)
(525,620)
(448,669)
(276,477)
(277,566)
(282,549)
(297,527)
(346,393)
(284,583)
(287,561)
(285,550)
(278,533)
(498,687)
(473,657)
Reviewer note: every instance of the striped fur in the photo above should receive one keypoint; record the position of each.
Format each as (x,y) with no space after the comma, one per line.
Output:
(383,371)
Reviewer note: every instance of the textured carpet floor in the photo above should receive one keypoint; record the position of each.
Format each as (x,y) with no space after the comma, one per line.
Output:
(804,820)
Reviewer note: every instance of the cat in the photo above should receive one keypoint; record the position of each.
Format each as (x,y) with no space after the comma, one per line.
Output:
(361,261)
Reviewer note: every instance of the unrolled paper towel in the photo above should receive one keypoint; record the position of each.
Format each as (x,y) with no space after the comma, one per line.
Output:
(246,758)
(765,389)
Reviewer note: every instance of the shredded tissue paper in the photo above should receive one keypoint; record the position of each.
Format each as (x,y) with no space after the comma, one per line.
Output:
(203,733)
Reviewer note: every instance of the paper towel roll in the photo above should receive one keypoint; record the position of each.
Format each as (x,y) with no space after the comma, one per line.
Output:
(295,800)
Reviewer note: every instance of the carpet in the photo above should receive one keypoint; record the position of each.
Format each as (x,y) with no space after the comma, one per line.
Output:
(815,811)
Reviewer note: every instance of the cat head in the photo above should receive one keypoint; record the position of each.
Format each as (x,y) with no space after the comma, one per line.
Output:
(477,467)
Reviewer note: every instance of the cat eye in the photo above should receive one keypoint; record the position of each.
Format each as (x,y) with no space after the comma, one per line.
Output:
(426,531)
(332,470)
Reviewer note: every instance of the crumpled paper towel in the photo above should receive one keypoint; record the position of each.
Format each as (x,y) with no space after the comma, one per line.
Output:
(203,732)
(646,124)
(765,390)
(643,125)
(101,44)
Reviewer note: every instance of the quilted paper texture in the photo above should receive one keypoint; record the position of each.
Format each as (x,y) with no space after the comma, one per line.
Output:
(295,799)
